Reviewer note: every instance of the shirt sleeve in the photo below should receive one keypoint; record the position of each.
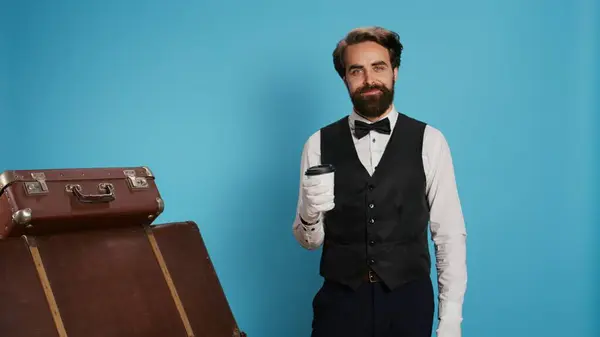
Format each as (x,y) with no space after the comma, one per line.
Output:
(309,236)
(448,232)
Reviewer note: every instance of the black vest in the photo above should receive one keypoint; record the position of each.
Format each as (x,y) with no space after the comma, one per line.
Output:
(380,221)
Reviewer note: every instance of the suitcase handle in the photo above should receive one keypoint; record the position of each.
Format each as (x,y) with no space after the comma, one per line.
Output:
(107,196)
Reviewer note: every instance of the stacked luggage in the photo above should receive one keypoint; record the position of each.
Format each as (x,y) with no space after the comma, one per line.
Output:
(80,256)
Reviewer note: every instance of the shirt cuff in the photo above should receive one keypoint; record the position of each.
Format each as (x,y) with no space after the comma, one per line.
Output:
(309,227)
(448,329)
(450,311)
(308,223)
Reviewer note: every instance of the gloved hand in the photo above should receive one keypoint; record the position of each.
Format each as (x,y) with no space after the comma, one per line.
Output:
(317,197)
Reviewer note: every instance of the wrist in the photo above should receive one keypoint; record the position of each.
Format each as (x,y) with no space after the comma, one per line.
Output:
(307,220)
(450,311)
(449,328)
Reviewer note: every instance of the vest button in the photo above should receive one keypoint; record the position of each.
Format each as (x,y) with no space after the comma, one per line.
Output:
(372,221)
(372,243)
(371,187)
(371,261)
(371,205)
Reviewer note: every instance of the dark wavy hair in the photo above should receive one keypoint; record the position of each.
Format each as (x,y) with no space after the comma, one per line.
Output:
(384,37)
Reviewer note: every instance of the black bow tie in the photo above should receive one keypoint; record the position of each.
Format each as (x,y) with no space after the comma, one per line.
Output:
(361,129)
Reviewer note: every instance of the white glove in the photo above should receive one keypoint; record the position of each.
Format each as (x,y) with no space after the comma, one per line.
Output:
(317,197)
(448,329)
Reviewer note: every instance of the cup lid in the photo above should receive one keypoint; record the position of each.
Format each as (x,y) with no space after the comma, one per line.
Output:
(320,169)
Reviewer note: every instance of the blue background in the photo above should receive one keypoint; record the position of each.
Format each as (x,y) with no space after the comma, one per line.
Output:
(218,101)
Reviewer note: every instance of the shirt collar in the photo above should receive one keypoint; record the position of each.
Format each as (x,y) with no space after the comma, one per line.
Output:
(392,115)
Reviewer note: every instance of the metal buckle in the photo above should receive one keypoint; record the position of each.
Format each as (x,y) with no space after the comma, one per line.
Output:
(134,182)
(372,277)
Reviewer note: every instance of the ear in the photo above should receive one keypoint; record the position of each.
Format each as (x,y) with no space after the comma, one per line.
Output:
(396,74)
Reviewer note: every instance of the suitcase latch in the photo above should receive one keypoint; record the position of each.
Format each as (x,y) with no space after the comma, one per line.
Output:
(38,186)
(134,181)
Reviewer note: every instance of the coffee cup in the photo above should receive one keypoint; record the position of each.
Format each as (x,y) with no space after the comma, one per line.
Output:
(326,174)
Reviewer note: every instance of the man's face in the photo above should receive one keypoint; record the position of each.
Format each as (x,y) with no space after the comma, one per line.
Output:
(370,78)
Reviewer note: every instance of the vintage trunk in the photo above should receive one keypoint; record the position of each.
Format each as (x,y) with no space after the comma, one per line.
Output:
(122,281)
(79,257)
(36,202)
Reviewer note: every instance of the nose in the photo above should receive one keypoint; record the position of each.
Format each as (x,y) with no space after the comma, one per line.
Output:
(369,78)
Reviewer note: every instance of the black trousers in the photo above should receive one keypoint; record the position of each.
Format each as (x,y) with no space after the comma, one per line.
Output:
(373,310)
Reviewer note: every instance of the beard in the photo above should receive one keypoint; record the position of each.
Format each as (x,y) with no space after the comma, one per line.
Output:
(374,105)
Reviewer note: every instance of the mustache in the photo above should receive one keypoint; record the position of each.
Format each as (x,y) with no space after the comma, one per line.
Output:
(371,87)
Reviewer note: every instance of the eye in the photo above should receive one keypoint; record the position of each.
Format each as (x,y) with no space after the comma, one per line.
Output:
(379,68)
(355,71)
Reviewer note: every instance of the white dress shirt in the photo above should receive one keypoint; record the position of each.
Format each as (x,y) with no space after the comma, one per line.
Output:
(446,219)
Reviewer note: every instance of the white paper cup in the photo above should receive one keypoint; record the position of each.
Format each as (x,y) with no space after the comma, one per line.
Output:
(326,173)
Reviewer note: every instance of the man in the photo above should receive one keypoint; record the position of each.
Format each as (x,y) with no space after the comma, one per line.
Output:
(393,181)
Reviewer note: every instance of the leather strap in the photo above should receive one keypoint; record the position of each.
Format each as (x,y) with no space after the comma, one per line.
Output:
(169,280)
(39,266)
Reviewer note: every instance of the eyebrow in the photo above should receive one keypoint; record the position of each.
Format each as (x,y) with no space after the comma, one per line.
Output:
(379,63)
(356,66)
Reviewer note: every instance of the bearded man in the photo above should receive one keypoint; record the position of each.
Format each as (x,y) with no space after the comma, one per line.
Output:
(388,180)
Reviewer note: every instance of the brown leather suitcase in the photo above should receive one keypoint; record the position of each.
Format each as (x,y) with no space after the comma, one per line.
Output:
(37,202)
(121,281)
